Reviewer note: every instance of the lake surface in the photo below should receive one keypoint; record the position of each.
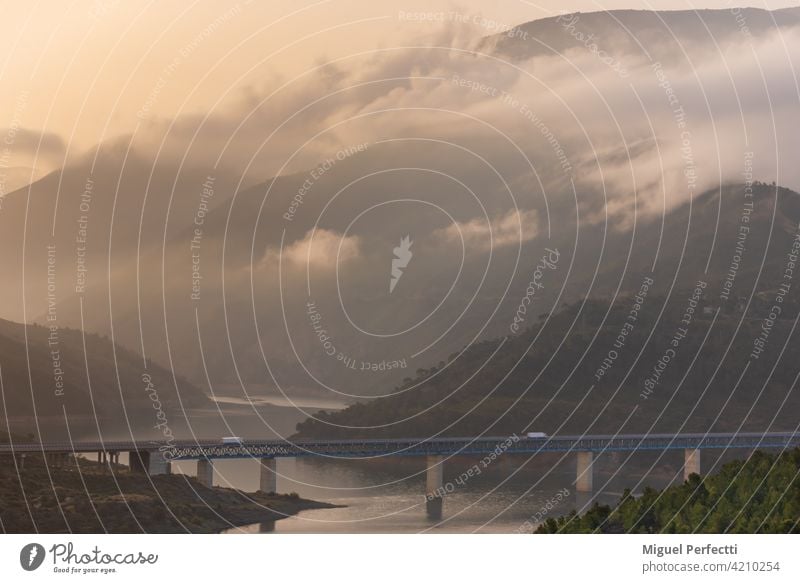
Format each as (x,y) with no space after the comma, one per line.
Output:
(381,500)
(388,496)
(311,403)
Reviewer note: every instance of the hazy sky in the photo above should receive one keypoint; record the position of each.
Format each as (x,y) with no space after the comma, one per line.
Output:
(90,69)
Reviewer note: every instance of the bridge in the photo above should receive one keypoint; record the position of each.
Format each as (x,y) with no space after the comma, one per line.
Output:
(155,458)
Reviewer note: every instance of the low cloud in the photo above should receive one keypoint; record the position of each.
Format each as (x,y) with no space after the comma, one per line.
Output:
(513,228)
(620,136)
(320,249)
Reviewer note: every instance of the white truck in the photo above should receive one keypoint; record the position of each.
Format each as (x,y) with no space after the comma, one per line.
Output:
(232,440)
(535,435)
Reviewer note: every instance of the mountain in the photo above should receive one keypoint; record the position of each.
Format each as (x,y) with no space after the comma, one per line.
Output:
(145,287)
(695,357)
(571,374)
(16,177)
(72,382)
(201,271)
(625,34)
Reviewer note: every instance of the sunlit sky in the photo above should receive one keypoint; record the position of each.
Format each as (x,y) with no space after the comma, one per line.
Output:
(85,70)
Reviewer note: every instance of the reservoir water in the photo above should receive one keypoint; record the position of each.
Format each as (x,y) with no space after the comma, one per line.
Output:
(376,499)
(387,496)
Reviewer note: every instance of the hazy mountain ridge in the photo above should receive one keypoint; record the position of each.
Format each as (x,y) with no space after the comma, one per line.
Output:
(624,33)
(507,384)
(46,373)
(141,223)
(547,380)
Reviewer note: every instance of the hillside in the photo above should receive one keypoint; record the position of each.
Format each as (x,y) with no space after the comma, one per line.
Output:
(48,375)
(560,376)
(546,377)
(87,498)
(758,495)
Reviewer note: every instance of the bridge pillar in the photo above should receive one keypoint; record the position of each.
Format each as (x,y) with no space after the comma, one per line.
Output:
(139,461)
(148,462)
(434,487)
(269,475)
(158,464)
(583,483)
(691,462)
(57,460)
(205,472)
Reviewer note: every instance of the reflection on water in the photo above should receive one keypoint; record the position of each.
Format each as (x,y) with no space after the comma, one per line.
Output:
(381,500)
(283,401)
(475,512)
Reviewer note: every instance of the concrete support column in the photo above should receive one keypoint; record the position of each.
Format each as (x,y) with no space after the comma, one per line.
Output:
(434,486)
(584,481)
(691,462)
(139,461)
(56,460)
(205,472)
(269,475)
(158,465)
(148,462)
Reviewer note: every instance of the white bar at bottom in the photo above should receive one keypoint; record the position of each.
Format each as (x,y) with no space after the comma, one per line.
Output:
(404,558)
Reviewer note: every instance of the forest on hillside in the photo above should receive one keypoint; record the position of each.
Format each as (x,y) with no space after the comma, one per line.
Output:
(557,377)
(758,495)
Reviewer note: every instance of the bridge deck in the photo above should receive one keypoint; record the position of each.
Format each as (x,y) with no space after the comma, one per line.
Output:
(366,448)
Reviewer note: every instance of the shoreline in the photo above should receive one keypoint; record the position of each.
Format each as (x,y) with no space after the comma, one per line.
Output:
(88,497)
(290,506)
